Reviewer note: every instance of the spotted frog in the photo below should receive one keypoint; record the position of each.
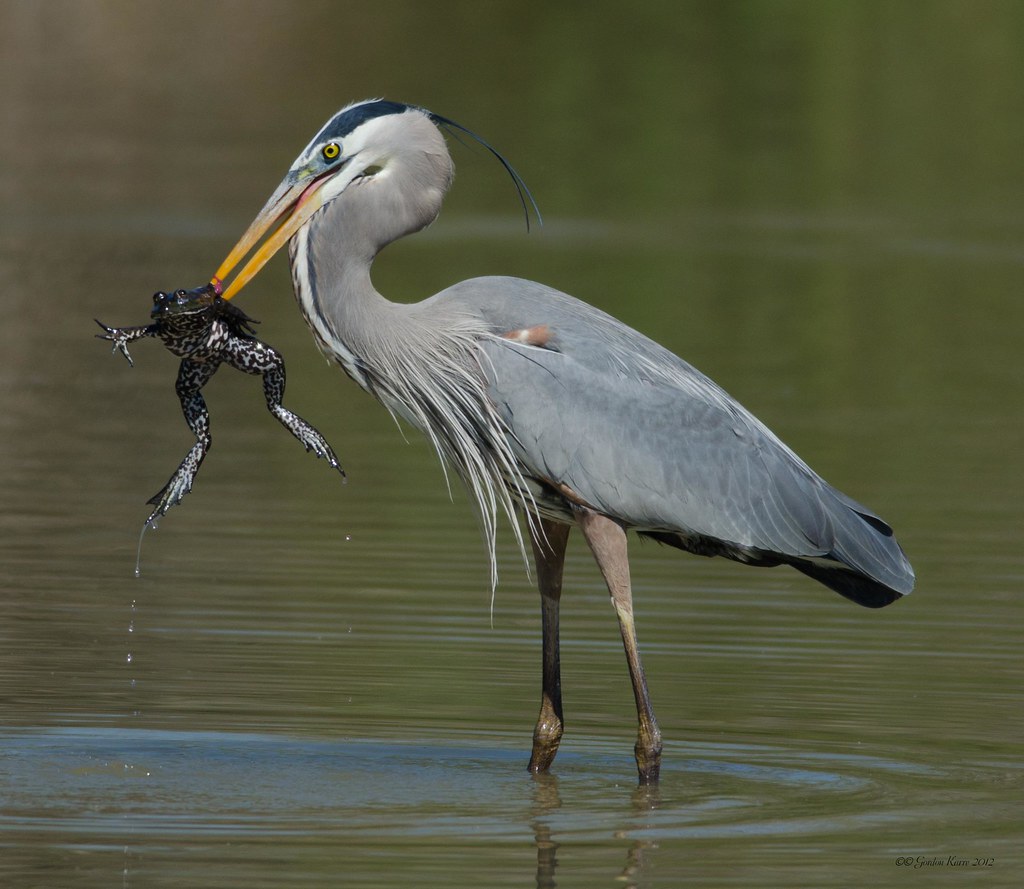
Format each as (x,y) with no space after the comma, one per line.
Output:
(205,331)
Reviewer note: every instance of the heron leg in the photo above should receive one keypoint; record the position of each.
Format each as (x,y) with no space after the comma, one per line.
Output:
(549,540)
(607,541)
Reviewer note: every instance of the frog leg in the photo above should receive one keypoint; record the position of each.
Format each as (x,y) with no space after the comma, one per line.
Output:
(253,356)
(192,376)
(121,336)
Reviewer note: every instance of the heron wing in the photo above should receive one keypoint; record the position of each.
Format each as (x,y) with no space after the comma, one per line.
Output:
(635,432)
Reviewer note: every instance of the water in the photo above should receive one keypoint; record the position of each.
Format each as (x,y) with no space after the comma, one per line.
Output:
(817,204)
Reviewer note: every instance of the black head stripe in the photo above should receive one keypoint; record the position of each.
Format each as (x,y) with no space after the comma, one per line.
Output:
(349,119)
(344,122)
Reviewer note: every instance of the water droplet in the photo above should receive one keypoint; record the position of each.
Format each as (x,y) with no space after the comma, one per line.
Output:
(138,553)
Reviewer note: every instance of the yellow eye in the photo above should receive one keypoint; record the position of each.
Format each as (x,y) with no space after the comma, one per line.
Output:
(331,151)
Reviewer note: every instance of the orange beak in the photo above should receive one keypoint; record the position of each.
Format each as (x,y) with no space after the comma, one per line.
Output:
(288,208)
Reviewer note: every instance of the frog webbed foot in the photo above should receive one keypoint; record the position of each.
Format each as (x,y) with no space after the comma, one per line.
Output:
(310,438)
(179,484)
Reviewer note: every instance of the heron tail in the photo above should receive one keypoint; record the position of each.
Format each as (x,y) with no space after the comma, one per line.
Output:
(853,585)
(858,557)
(865,564)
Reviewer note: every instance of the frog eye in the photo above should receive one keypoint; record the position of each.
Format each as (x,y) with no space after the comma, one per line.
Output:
(331,151)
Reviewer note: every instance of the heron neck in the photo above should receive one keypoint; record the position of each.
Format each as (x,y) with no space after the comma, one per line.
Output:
(333,288)
(333,253)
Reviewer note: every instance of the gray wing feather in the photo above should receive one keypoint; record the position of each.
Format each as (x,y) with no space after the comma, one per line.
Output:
(641,435)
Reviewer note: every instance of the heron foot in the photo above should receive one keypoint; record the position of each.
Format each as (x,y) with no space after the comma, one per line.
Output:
(546,738)
(648,759)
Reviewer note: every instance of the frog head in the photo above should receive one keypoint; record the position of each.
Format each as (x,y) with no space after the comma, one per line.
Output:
(183,302)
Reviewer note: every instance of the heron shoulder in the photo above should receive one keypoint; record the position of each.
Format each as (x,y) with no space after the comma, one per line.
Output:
(531,313)
(596,345)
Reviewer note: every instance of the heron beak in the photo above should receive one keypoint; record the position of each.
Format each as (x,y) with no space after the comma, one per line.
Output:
(287,209)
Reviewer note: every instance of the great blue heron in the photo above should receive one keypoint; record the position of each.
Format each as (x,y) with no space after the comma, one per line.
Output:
(543,402)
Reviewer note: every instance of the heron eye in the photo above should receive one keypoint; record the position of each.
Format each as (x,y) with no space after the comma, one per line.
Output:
(331,151)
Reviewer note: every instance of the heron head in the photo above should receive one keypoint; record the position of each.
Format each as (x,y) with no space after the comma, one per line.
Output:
(358,144)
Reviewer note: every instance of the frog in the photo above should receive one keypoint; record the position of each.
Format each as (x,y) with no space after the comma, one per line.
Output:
(206,331)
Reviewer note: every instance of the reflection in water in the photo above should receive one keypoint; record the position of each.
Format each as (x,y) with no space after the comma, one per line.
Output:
(645,800)
(545,800)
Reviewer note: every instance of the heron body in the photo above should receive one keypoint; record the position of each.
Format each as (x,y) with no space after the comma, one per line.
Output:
(542,402)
